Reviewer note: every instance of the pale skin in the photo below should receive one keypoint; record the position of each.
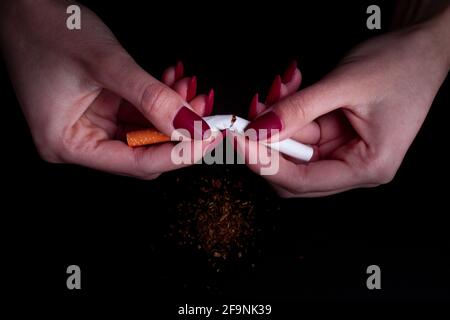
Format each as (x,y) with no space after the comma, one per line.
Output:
(70,85)
(364,115)
(361,118)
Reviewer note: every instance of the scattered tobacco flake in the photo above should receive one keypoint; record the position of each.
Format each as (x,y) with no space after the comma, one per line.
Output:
(219,220)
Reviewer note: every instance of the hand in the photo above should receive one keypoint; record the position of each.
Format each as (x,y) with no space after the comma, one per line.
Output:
(362,117)
(72,84)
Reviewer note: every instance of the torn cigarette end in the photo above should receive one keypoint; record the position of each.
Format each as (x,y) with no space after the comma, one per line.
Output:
(145,137)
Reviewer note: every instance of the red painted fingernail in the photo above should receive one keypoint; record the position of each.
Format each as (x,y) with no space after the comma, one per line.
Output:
(179,70)
(263,126)
(188,120)
(274,91)
(253,110)
(192,89)
(209,104)
(290,71)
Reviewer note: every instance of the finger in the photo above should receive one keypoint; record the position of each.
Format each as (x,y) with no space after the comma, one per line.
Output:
(179,70)
(315,156)
(116,157)
(319,176)
(287,194)
(335,131)
(333,125)
(173,74)
(203,104)
(282,192)
(161,105)
(274,93)
(327,149)
(128,114)
(191,152)
(280,88)
(169,156)
(295,111)
(168,76)
(314,177)
(284,86)
(329,193)
(257,156)
(310,134)
(292,78)
(186,87)
(255,107)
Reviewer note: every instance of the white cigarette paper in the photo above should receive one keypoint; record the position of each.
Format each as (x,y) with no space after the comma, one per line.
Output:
(289,147)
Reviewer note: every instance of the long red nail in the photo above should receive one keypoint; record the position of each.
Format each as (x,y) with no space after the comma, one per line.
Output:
(179,70)
(263,126)
(209,104)
(253,110)
(290,71)
(274,91)
(192,89)
(188,120)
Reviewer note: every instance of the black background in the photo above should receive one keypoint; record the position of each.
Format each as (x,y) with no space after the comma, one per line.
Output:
(308,250)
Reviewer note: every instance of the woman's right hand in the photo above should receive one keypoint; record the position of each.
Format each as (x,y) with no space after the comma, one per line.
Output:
(361,118)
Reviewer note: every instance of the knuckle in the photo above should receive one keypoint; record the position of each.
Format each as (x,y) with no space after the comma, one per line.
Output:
(76,143)
(293,106)
(156,97)
(73,143)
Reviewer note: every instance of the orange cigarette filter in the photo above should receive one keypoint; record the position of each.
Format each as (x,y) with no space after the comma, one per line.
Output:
(145,137)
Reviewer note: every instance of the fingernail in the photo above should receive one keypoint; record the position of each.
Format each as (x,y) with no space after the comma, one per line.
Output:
(252,111)
(268,121)
(290,71)
(274,91)
(209,103)
(192,89)
(179,70)
(188,120)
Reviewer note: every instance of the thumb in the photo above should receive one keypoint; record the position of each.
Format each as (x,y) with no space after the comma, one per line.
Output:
(161,105)
(295,111)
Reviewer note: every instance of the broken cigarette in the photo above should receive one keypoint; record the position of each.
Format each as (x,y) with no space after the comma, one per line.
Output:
(236,124)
